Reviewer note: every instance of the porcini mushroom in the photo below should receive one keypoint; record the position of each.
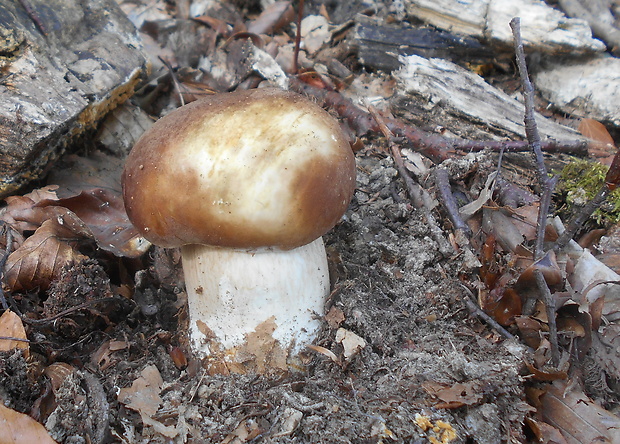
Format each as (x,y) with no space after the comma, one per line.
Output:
(246,183)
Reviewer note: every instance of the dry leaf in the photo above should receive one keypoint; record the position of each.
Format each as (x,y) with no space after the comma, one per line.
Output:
(577,417)
(507,234)
(351,342)
(143,395)
(602,146)
(502,304)
(20,212)
(545,434)
(57,373)
(274,17)
(42,256)
(454,396)
(17,428)
(530,330)
(334,317)
(11,326)
(546,375)
(102,358)
(314,33)
(103,211)
(79,173)
(246,431)
(324,351)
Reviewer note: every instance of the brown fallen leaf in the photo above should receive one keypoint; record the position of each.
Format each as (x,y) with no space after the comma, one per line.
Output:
(577,417)
(143,397)
(40,259)
(103,211)
(454,396)
(602,145)
(20,212)
(17,428)
(273,18)
(545,434)
(11,326)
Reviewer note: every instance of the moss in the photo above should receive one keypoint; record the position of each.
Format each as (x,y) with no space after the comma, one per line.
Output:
(579,181)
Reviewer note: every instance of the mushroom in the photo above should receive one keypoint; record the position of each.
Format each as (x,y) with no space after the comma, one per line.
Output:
(246,183)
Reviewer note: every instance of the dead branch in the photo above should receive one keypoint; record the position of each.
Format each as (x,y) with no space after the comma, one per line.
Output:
(442,182)
(434,146)
(549,302)
(547,184)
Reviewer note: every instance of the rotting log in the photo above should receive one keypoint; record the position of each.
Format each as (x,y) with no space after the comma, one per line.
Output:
(63,65)
(379,44)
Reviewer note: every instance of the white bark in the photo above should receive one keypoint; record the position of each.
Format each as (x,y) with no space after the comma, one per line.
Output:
(231,293)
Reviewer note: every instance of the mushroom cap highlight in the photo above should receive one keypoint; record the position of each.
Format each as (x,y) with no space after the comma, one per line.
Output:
(248,169)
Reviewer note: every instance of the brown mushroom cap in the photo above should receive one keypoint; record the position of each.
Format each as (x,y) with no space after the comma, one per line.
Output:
(258,168)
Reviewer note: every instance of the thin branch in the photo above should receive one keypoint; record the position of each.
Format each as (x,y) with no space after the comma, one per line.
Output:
(442,182)
(549,302)
(477,311)
(434,146)
(7,251)
(547,183)
(300,16)
(575,224)
(175,80)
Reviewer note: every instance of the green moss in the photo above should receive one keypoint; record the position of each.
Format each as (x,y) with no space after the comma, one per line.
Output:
(579,181)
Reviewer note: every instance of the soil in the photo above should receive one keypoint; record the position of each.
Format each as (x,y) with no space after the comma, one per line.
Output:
(428,368)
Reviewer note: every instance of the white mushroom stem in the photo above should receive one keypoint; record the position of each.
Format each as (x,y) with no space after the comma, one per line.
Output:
(232,292)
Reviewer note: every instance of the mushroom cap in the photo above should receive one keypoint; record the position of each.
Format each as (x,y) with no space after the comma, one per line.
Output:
(248,169)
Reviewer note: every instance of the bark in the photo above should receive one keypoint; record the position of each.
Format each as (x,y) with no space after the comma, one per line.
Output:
(63,65)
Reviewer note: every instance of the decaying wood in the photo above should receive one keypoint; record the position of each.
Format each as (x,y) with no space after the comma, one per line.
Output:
(445,84)
(379,44)
(544,27)
(598,15)
(589,88)
(63,66)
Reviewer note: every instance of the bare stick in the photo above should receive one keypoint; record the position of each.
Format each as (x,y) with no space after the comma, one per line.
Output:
(434,146)
(7,251)
(300,15)
(475,310)
(442,181)
(549,301)
(547,185)
(580,218)
(533,137)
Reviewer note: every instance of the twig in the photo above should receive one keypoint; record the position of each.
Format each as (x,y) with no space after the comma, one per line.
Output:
(302,407)
(547,185)
(99,409)
(175,80)
(475,310)
(300,16)
(7,251)
(581,217)
(69,311)
(442,182)
(12,338)
(34,16)
(533,137)
(434,146)
(549,302)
